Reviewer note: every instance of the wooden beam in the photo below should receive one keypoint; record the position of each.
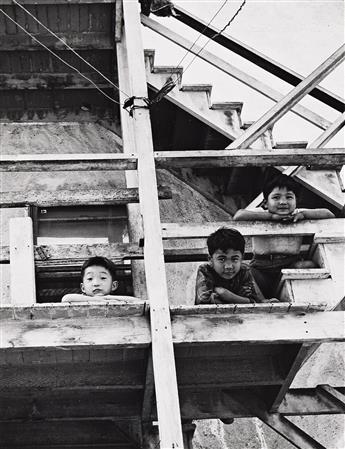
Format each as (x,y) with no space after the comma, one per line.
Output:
(258,328)
(168,410)
(255,228)
(51,81)
(67,162)
(135,222)
(249,158)
(233,71)
(149,392)
(118,21)
(296,365)
(257,58)
(22,266)
(217,403)
(296,436)
(60,198)
(88,41)
(128,331)
(333,395)
(292,98)
(57,2)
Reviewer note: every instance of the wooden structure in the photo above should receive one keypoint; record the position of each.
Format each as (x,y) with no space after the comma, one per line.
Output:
(97,376)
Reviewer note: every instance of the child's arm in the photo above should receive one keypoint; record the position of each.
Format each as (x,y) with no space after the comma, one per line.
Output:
(312,214)
(123,299)
(253,215)
(231,298)
(75,297)
(204,289)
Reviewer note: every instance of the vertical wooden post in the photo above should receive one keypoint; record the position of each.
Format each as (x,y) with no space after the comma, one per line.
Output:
(168,409)
(135,228)
(22,264)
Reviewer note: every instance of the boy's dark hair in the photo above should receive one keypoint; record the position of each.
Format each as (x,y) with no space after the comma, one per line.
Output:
(99,262)
(280,182)
(224,239)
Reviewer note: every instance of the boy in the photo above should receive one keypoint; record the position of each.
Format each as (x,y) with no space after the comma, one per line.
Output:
(271,254)
(224,279)
(98,282)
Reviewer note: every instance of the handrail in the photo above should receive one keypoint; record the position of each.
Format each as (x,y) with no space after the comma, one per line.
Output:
(257,58)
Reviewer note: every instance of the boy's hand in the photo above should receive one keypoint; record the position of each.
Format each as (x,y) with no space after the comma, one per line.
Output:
(282,218)
(245,290)
(298,217)
(270,300)
(219,290)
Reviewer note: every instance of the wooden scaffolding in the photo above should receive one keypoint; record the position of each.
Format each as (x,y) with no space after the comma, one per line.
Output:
(96,376)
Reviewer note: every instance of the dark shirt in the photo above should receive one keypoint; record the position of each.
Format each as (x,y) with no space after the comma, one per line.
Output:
(207,279)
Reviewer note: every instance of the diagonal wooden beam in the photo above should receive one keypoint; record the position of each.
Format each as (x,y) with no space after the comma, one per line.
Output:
(332,394)
(256,57)
(233,71)
(296,365)
(292,98)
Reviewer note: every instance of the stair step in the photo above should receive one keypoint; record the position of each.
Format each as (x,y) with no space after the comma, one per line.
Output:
(149,55)
(294,144)
(304,273)
(197,88)
(228,105)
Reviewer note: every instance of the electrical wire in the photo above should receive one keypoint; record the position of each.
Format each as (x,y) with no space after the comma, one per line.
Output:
(61,59)
(217,34)
(68,46)
(202,33)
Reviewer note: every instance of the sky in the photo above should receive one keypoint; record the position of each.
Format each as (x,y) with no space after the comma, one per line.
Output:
(298,34)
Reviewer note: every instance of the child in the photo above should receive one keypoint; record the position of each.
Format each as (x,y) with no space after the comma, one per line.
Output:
(224,279)
(98,282)
(271,254)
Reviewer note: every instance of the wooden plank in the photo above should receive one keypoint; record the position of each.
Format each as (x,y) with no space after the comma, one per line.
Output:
(56,2)
(333,395)
(296,365)
(290,431)
(247,308)
(254,228)
(292,98)
(61,81)
(233,71)
(169,420)
(135,223)
(128,331)
(118,20)
(67,162)
(89,41)
(305,273)
(249,158)
(22,266)
(89,309)
(258,328)
(203,404)
(87,402)
(60,198)
(256,57)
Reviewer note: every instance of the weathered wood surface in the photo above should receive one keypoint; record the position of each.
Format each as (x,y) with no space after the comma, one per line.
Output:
(128,331)
(305,273)
(67,162)
(22,267)
(255,228)
(34,81)
(170,430)
(96,197)
(216,403)
(57,2)
(249,157)
(258,328)
(54,311)
(292,98)
(257,58)
(276,307)
(92,40)
(231,70)
(330,393)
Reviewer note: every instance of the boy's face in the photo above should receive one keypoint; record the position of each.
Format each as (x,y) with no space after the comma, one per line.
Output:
(281,201)
(97,281)
(226,264)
